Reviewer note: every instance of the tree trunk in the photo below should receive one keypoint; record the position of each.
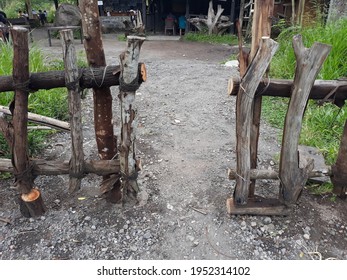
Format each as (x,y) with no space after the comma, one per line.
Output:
(309,62)
(31,205)
(261,27)
(74,99)
(105,138)
(127,89)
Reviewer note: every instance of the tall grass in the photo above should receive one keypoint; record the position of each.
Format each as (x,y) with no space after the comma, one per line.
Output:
(213,39)
(52,103)
(322,125)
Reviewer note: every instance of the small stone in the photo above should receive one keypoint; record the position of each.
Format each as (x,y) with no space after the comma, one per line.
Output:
(43,218)
(125,227)
(31,220)
(87,218)
(306,236)
(267,220)
(195,243)
(253,224)
(270,227)
(190,238)
(133,248)
(121,231)
(93,227)
(57,201)
(243,224)
(283,251)
(147,235)
(256,253)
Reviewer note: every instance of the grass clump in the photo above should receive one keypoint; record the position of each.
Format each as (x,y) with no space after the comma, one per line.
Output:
(52,103)
(322,125)
(213,38)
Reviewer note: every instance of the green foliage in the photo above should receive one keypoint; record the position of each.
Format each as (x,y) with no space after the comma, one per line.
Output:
(322,125)
(52,103)
(214,39)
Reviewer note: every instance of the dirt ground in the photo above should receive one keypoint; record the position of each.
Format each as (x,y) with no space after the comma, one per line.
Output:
(186,140)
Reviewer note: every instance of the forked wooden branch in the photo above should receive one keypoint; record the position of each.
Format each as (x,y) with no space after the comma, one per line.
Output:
(309,62)
(244,115)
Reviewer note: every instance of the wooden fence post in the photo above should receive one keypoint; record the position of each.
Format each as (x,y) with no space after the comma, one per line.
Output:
(128,81)
(74,99)
(244,115)
(103,121)
(339,178)
(261,26)
(309,62)
(31,203)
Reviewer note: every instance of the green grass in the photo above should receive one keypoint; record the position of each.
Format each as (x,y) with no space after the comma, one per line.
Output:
(213,39)
(52,103)
(322,125)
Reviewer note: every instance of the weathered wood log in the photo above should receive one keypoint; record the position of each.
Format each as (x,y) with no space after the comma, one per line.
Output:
(127,89)
(22,169)
(35,118)
(103,121)
(282,88)
(75,110)
(99,77)
(339,177)
(257,205)
(293,177)
(274,175)
(244,115)
(261,26)
(214,22)
(50,168)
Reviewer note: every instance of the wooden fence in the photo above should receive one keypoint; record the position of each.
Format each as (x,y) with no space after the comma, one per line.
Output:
(120,171)
(293,170)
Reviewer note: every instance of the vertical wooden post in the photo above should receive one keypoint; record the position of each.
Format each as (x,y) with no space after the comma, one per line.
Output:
(74,99)
(128,84)
(262,18)
(339,169)
(31,203)
(309,62)
(103,122)
(244,103)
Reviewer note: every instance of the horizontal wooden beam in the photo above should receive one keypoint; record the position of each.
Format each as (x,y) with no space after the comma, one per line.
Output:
(89,78)
(272,174)
(337,89)
(44,167)
(258,206)
(35,118)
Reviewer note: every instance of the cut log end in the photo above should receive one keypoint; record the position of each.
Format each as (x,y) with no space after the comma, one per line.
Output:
(258,206)
(143,72)
(233,86)
(31,204)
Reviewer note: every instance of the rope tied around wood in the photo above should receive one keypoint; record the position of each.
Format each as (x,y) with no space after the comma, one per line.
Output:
(22,86)
(103,76)
(25,175)
(74,85)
